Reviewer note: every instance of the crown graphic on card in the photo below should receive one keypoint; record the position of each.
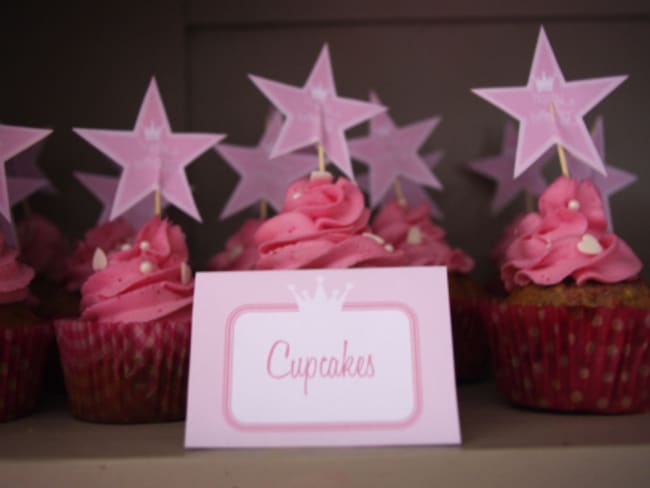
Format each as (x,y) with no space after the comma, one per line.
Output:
(320,303)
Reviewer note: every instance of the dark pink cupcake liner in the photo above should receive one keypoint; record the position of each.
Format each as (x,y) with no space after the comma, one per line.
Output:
(574,359)
(471,352)
(125,372)
(22,358)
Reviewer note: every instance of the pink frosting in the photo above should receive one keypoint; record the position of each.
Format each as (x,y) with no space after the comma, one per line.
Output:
(410,230)
(108,236)
(323,224)
(567,238)
(14,276)
(43,247)
(142,283)
(240,253)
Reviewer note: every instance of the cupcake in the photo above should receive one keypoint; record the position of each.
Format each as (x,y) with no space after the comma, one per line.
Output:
(323,224)
(409,229)
(43,247)
(573,333)
(24,339)
(240,253)
(125,360)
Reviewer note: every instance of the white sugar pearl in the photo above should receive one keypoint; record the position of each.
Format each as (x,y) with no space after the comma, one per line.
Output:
(236,251)
(574,205)
(146,267)
(144,245)
(125,247)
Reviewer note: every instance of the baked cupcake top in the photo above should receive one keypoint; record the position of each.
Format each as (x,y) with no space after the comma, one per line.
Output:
(240,253)
(14,275)
(109,237)
(567,239)
(409,229)
(150,280)
(323,224)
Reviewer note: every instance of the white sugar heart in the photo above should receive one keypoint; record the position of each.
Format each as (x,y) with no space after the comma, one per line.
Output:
(99,259)
(589,245)
(186,273)
(414,236)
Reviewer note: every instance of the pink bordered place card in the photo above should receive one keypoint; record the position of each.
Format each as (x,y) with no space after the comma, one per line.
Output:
(322,358)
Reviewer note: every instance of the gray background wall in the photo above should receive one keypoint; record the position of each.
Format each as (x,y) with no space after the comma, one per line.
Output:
(88,64)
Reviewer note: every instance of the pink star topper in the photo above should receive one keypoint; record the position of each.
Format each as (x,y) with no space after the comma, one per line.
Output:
(14,140)
(103,187)
(392,151)
(261,177)
(316,114)
(616,178)
(551,110)
(152,157)
(23,165)
(413,193)
(499,169)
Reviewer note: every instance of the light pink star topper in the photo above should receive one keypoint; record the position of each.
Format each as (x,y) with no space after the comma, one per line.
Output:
(151,156)
(499,169)
(316,114)
(103,187)
(24,165)
(413,193)
(392,151)
(616,178)
(550,110)
(14,140)
(261,177)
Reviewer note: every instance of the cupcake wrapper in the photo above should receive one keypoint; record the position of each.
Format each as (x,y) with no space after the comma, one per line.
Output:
(471,353)
(571,358)
(125,372)
(22,357)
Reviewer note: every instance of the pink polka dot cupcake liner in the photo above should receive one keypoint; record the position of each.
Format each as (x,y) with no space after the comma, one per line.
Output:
(471,352)
(22,358)
(125,372)
(574,359)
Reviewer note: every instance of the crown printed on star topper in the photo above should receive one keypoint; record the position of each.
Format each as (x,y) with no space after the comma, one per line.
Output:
(320,302)
(152,133)
(319,93)
(544,83)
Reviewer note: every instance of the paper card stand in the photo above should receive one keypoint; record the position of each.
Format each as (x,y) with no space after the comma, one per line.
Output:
(322,358)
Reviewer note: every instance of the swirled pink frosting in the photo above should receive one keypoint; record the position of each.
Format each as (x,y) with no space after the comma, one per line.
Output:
(142,283)
(567,238)
(410,230)
(14,276)
(109,236)
(323,224)
(42,246)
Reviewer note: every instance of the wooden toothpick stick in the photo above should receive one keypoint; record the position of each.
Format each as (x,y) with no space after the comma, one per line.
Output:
(157,205)
(560,150)
(321,157)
